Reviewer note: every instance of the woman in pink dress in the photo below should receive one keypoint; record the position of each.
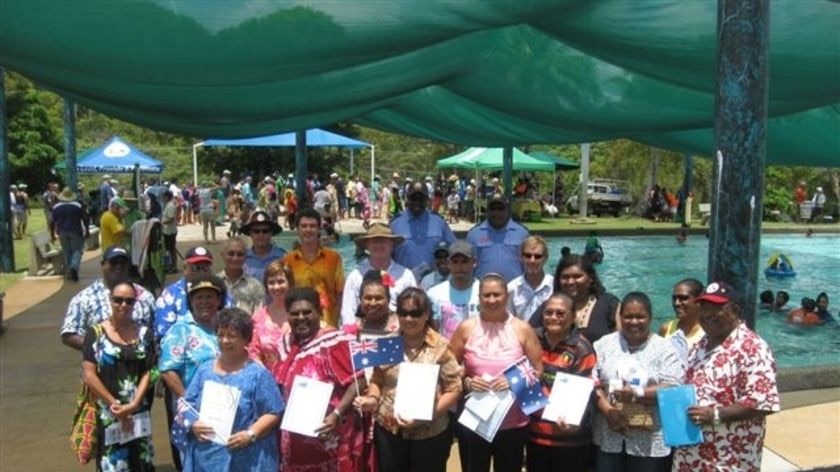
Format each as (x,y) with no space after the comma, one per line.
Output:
(271,321)
(319,352)
(487,345)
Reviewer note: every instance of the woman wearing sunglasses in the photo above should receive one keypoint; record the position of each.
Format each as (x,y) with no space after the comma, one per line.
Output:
(118,356)
(684,331)
(534,286)
(405,444)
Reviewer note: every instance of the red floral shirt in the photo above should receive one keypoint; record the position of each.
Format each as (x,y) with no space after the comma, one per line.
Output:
(741,371)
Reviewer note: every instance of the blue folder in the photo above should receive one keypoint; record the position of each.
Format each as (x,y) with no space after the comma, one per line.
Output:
(678,429)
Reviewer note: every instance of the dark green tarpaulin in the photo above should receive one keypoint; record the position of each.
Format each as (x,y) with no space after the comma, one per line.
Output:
(475,72)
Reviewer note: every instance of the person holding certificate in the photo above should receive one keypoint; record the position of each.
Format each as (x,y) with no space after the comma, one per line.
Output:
(240,405)
(309,351)
(633,364)
(487,345)
(411,444)
(271,321)
(118,356)
(553,444)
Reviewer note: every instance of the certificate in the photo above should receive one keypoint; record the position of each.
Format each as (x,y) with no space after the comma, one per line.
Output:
(569,398)
(416,389)
(141,427)
(218,409)
(488,428)
(308,403)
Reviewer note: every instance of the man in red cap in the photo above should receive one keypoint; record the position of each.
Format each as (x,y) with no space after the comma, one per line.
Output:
(734,373)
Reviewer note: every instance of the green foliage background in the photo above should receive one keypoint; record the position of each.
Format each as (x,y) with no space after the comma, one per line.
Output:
(36,144)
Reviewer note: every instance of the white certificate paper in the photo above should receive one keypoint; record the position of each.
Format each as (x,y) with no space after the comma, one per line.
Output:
(307,406)
(218,409)
(569,398)
(488,428)
(141,427)
(416,389)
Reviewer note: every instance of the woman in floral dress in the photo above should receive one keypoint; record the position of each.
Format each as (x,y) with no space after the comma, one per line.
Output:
(118,358)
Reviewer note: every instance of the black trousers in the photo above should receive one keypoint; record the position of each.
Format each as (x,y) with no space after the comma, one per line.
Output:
(170,415)
(623,462)
(550,459)
(396,454)
(506,450)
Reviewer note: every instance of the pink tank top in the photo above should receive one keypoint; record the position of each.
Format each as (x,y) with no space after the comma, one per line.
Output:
(491,347)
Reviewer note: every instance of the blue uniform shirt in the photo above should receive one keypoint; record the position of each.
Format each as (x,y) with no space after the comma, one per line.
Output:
(422,233)
(255,265)
(497,250)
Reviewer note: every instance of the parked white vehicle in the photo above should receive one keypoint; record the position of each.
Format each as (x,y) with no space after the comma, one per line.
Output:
(604,197)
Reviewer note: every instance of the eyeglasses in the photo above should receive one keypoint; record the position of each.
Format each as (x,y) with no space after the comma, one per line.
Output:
(235,253)
(531,255)
(123,301)
(547,313)
(260,231)
(415,313)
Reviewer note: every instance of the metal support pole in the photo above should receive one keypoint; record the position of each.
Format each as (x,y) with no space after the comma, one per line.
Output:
(70,144)
(195,162)
(740,144)
(7,249)
(351,161)
(507,172)
(583,196)
(300,169)
(688,171)
(372,165)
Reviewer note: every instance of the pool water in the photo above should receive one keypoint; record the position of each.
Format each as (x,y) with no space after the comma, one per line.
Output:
(652,264)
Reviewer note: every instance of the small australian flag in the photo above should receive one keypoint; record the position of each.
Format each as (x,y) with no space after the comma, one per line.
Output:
(526,386)
(185,417)
(375,352)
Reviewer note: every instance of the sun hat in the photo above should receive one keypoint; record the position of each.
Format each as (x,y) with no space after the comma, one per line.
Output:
(13,186)
(226,172)
(719,293)
(67,195)
(378,230)
(22,186)
(114,252)
(202,284)
(260,217)
(198,254)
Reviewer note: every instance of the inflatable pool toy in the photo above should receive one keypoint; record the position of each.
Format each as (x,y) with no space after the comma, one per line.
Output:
(779,266)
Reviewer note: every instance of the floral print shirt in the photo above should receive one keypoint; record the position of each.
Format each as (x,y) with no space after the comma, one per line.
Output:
(266,337)
(186,346)
(172,305)
(92,306)
(739,371)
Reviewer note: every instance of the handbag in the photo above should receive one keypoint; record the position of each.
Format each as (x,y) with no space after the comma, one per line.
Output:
(83,437)
(638,416)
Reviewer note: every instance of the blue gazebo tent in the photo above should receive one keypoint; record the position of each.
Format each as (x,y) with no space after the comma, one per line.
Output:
(115,157)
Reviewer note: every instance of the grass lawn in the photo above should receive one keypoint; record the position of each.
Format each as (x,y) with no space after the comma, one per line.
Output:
(37,222)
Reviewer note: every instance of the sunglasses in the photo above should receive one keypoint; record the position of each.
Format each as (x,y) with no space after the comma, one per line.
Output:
(415,313)
(123,301)
(531,255)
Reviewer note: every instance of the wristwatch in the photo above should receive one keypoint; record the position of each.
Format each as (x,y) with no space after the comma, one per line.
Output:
(716,421)
(252,436)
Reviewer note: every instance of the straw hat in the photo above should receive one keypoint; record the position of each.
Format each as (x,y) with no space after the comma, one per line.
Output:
(260,217)
(128,195)
(378,230)
(67,195)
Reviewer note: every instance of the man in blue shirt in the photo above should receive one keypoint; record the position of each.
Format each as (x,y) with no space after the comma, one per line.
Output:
(261,228)
(497,241)
(422,231)
(69,224)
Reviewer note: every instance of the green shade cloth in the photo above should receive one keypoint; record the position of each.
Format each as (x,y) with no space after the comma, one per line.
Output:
(484,73)
(492,159)
(561,163)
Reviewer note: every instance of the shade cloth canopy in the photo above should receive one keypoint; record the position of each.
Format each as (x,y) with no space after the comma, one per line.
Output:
(115,157)
(479,158)
(561,163)
(314,138)
(479,73)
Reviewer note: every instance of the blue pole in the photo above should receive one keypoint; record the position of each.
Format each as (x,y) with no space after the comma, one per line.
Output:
(7,249)
(740,145)
(688,170)
(300,168)
(507,172)
(70,143)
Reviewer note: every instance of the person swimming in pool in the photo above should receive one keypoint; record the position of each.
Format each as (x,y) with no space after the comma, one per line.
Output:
(766,299)
(782,299)
(805,315)
(822,308)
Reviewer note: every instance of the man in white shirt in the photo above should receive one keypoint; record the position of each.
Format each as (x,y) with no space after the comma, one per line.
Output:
(534,286)
(456,299)
(379,242)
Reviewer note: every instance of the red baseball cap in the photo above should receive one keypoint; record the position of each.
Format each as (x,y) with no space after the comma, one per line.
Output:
(198,254)
(719,293)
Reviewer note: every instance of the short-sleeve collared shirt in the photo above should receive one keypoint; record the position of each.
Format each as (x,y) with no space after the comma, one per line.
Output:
(247,292)
(658,358)
(93,306)
(185,347)
(171,306)
(433,350)
(739,371)
(422,234)
(110,230)
(255,265)
(403,278)
(523,299)
(325,274)
(497,250)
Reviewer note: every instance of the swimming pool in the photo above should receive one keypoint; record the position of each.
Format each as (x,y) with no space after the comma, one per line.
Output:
(652,264)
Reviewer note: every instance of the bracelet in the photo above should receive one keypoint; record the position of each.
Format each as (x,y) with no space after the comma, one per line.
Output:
(468,384)
(337,413)
(716,419)
(252,436)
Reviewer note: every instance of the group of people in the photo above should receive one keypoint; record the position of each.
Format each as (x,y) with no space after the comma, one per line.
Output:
(810,312)
(271,317)
(815,201)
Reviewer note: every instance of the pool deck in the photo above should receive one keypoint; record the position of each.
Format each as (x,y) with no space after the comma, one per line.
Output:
(39,382)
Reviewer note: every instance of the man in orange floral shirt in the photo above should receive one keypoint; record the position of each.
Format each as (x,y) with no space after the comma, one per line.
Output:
(316,266)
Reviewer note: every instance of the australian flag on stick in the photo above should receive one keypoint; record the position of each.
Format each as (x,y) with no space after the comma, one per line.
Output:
(526,386)
(185,417)
(375,352)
